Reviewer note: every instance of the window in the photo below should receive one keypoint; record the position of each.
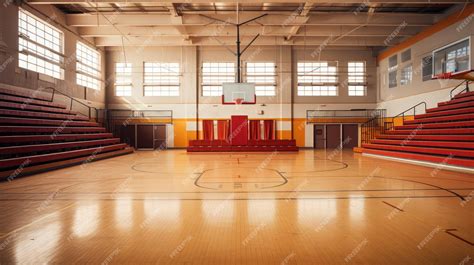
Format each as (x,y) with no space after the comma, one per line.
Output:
(123,79)
(263,75)
(356,77)
(453,58)
(392,71)
(406,75)
(40,46)
(87,66)
(213,75)
(427,67)
(406,56)
(317,78)
(162,79)
(392,79)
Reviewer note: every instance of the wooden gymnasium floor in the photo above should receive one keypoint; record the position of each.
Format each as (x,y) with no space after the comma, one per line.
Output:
(170,207)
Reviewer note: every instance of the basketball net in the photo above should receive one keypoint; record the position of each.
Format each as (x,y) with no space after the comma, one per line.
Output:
(239,101)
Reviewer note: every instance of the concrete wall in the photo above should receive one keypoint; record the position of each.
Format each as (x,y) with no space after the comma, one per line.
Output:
(277,107)
(11,74)
(398,99)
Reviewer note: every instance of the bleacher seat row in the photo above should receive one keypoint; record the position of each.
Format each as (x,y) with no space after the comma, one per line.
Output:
(444,134)
(38,135)
(253,145)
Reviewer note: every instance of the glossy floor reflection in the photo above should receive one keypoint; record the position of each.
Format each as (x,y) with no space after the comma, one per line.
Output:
(171,207)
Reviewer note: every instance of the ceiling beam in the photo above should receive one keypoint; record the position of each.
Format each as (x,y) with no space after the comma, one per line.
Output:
(322,19)
(304,15)
(215,30)
(229,41)
(252,1)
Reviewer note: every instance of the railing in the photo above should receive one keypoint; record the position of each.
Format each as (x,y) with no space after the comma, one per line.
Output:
(117,120)
(372,120)
(374,126)
(312,115)
(390,125)
(72,100)
(466,89)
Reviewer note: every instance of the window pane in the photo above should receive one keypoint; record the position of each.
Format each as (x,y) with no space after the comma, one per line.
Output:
(356,79)
(317,79)
(39,49)
(87,66)
(123,79)
(406,75)
(214,74)
(264,77)
(161,79)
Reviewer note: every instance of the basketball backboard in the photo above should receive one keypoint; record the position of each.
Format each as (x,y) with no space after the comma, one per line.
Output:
(238,93)
(452,61)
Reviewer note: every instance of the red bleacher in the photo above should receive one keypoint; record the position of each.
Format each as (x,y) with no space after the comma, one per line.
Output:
(252,146)
(38,135)
(444,134)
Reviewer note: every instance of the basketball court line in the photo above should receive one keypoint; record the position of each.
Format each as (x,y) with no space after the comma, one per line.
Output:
(393,206)
(248,199)
(450,232)
(225,192)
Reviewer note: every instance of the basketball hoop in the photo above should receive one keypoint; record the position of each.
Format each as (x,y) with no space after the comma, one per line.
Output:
(239,101)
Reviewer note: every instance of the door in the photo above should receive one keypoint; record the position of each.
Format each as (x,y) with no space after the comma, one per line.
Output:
(350,135)
(160,136)
(333,136)
(145,139)
(319,137)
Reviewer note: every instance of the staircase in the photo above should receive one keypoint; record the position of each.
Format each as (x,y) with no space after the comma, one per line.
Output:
(37,134)
(443,135)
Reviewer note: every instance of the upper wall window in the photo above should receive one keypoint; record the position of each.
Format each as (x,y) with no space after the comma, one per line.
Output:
(123,79)
(356,79)
(214,75)
(452,59)
(406,75)
(392,71)
(427,67)
(406,56)
(161,79)
(87,66)
(317,79)
(40,46)
(263,75)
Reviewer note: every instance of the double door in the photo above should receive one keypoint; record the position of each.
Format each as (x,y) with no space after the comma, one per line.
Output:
(331,136)
(144,136)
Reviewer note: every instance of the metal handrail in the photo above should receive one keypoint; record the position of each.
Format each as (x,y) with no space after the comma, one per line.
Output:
(373,126)
(414,111)
(72,100)
(465,89)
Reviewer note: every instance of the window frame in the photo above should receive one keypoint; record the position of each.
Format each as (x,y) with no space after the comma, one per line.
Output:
(425,65)
(209,75)
(445,47)
(119,83)
(324,87)
(355,84)
(94,75)
(48,55)
(404,74)
(263,75)
(160,88)
(392,71)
